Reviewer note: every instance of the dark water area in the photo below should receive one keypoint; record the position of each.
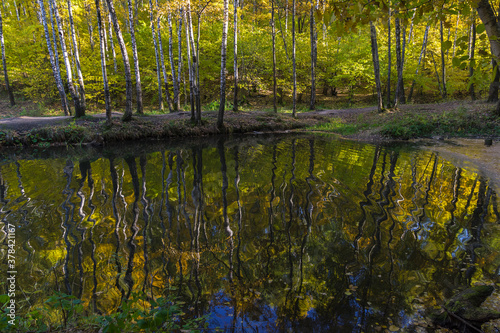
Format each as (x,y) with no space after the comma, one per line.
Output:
(289,233)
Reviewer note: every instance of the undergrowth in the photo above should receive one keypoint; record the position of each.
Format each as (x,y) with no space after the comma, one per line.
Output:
(65,313)
(460,122)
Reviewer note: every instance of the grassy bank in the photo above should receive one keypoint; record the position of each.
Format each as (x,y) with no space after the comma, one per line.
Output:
(452,119)
(466,120)
(92,130)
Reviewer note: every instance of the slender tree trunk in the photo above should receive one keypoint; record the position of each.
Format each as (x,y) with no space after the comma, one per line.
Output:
(194,64)
(437,73)
(103,63)
(15,7)
(376,66)
(443,67)
(77,58)
(312,29)
(162,60)
(273,32)
(235,100)
(424,45)
(190,70)
(294,93)
(198,96)
(4,63)
(456,33)
(179,51)
(127,116)
(138,88)
(111,43)
(158,74)
(55,58)
(222,103)
(90,28)
(175,82)
(493,92)
(79,111)
(472,60)
(389,60)
(400,93)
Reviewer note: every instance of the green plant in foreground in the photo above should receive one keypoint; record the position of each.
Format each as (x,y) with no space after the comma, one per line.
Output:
(63,312)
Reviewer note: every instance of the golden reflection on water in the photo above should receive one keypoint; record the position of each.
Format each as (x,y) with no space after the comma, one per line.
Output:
(299,232)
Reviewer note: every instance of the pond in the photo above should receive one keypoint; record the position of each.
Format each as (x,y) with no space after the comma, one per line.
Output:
(295,233)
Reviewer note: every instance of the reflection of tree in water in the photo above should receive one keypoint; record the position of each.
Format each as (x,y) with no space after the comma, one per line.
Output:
(307,234)
(128,279)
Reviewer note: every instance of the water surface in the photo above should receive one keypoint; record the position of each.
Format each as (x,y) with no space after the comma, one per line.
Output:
(289,233)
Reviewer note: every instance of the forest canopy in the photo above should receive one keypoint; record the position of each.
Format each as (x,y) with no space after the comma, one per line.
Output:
(174,55)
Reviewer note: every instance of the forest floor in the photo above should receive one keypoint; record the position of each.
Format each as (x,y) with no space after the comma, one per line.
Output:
(442,127)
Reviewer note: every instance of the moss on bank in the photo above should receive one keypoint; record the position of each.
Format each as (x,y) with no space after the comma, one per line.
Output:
(455,119)
(95,131)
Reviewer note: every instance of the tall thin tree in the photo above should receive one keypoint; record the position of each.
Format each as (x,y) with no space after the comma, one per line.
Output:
(4,63)
(273,32)
(400,94)
(153,31)
(103,63)
(223,58)
(81,85)
(294,108)
(235,49)
(312,28)
(162,61)
(54,59)
(79,111)
(127,115)
(175,82)
(472,61)
(135,55)
(376,66)
(443,64)
(389,59)
(424,46)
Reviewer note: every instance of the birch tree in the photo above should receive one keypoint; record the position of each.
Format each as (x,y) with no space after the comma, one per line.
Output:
(273,34)
(138,88)
(175,82)
(77,58)
(376,66)
(472,42)
(294,93)
(54,58)
(313,56)
(443,67)
(162,61)
(79,110)
(127,115)
(235,52)
(103,63)
(153,31)
(400,93)
(222,103)
(4,64)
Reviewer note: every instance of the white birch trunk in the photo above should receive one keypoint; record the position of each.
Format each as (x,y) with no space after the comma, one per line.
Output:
(222,103)
(77,58)
(138,88)
(126,63)
(79,112)
(158,74)
(103,63)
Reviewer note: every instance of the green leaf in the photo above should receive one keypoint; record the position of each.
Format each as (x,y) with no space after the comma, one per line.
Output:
(446,45)
(480,28)
(4,299)
(456,62)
